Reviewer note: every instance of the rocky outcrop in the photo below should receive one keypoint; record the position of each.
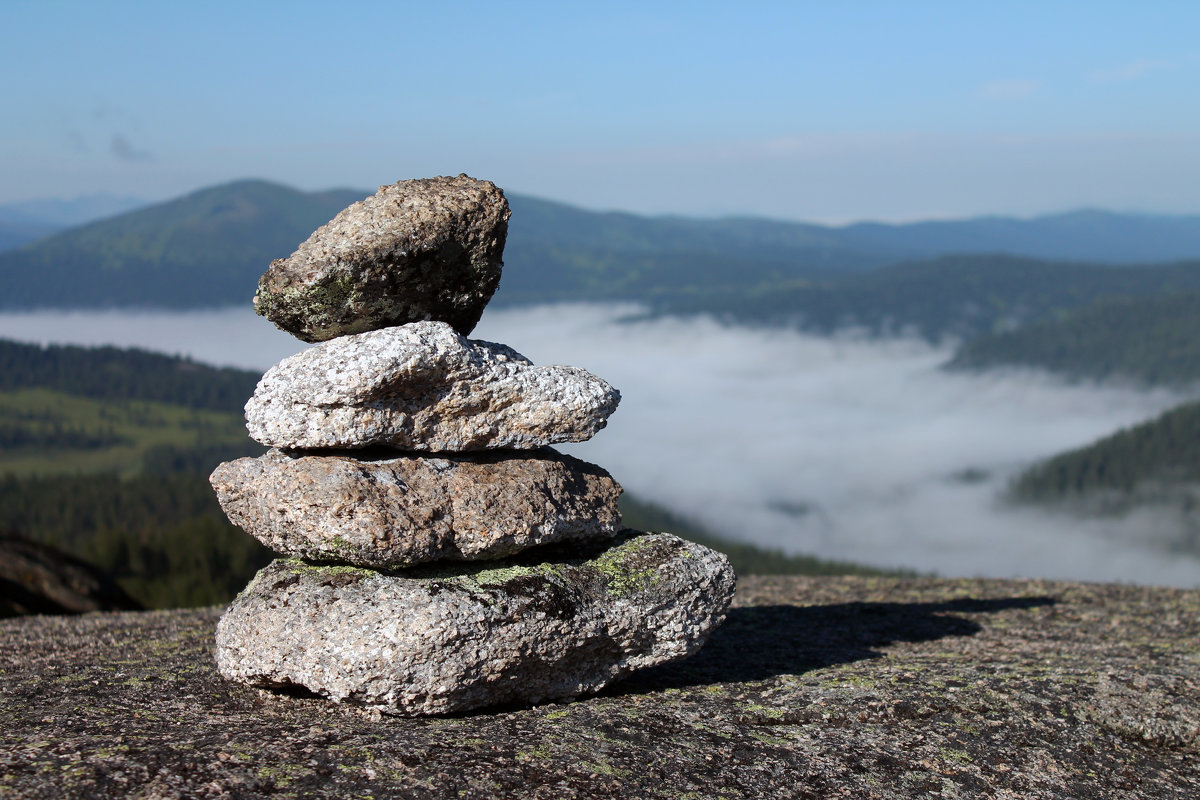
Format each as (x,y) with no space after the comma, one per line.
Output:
(424,387)
(36,578)
(873,688)
(446,639)
(416,250)
(396,510)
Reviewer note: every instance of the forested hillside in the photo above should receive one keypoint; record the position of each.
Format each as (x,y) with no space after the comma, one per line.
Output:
(110,373)
(161,536)
(1152,465)
(105,453)
(205,249)
(209,247)
(1153,340)
(15,234)
(957,295)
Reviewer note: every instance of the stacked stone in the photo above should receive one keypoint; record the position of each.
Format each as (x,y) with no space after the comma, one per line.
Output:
(440,556)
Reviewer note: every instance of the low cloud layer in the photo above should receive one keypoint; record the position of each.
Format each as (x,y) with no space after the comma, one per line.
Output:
(841,448)
(848,449)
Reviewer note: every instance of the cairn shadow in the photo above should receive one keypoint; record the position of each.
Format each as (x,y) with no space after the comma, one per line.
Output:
(763,642)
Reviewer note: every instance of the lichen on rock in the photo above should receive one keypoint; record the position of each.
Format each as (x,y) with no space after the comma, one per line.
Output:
(546,625)
(422,249)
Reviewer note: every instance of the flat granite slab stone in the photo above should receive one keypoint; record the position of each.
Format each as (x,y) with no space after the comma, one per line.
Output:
(387,509)
(813,688)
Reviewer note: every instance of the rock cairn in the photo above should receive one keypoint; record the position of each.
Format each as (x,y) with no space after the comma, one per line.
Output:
(439,555)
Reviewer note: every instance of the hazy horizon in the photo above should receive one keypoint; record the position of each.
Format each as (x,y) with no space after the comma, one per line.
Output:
(815,112)
(49,203)
(841,447)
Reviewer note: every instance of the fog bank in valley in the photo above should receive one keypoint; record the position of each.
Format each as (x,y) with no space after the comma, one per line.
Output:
(845,448)
(225,337)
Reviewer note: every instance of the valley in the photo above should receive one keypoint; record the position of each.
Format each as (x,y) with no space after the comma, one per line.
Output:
(903,406)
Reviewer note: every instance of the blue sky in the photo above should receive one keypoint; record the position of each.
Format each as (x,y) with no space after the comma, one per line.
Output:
(829,111)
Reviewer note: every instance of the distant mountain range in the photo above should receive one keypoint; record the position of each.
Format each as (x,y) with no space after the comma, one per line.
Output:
(204,249)
(1093,235)
(208,248)
(69,213)
(959,296)
(21,223)
(1017,307)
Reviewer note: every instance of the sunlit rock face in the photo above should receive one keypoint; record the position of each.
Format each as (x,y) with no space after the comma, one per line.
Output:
(421,249)
(395,510)
(424,387)
(449,638)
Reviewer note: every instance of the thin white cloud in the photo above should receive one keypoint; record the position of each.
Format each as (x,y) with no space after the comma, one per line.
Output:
(1129,72)
(1009,89)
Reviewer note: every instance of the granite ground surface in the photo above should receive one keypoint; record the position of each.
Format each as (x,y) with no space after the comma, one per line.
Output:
(814,687)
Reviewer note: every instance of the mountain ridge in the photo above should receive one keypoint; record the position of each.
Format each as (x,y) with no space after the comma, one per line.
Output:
(207,248)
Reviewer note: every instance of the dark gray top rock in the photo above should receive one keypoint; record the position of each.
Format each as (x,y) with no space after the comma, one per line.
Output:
(813,688)
(383,509)
(420,249)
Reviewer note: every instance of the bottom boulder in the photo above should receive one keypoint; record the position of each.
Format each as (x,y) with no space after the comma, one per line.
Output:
(551,623)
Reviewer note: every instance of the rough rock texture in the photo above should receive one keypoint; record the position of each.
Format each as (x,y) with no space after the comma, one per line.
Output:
(419,249)
(424,387)
(38,579)
(812,688)
(389,510)
(454,638)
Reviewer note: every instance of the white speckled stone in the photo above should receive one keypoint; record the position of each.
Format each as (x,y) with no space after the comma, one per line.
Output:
(424,387)
(440,639)
(380,509)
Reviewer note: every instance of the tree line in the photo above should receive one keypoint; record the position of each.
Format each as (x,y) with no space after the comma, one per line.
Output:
(1164,449)
(1153,340)
(111,373)
(164,538)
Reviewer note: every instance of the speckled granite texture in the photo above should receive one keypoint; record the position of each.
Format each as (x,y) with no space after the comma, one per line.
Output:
(387,509)
(552,624)
(813,688)
(424,387)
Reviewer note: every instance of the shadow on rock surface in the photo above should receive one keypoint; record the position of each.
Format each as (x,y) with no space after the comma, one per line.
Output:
(762,642)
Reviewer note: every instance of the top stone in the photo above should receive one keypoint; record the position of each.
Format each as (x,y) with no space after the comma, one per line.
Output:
(426,249)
